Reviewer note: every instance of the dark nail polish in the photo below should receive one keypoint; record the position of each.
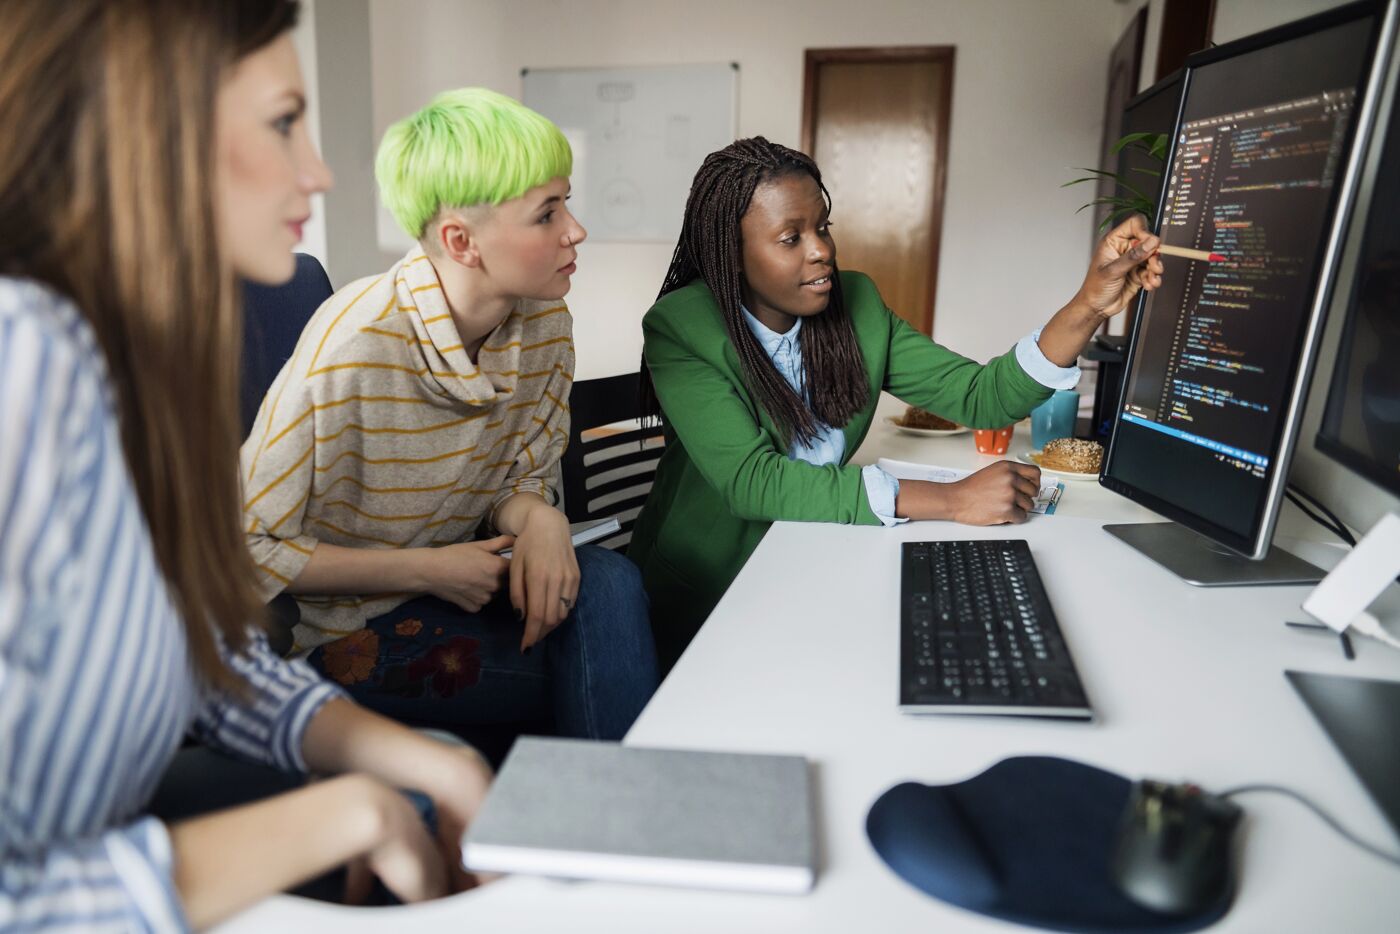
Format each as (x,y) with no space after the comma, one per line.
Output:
(519,615)
(528,648)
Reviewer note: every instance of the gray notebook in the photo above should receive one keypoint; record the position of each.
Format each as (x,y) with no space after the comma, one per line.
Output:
(576,809)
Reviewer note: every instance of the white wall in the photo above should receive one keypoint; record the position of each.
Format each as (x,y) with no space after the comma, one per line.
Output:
(313,234)
(1027,107)
(1236,18)
(345,83)
(1232,20)
(1151,39)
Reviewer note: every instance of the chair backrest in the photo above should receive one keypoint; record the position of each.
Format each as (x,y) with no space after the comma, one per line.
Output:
(273,319)
(611,459)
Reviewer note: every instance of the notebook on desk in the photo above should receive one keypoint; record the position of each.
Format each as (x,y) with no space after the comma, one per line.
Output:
(588,810)
(583,533)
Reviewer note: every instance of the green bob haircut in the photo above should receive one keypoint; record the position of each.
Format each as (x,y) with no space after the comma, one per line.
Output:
(468,147)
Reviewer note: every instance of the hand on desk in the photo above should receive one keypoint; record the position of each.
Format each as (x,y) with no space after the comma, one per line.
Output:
(402,857)
(461,788)
(411,865)
(998,493)
(390,837)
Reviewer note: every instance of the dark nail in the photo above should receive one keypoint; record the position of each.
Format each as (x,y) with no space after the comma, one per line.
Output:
(528,648)
(519,615)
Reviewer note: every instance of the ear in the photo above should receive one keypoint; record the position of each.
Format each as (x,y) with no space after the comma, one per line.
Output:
(455,236)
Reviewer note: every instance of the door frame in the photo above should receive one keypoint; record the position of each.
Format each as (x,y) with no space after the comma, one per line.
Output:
(941,54)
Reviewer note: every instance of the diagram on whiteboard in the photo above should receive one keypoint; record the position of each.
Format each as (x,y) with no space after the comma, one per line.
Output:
(638,136)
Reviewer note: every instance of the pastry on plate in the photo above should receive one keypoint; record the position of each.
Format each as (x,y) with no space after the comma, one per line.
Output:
(915,417)
(1072,455)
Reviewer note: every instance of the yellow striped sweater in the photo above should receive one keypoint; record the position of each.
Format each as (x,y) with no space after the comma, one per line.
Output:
(381,433)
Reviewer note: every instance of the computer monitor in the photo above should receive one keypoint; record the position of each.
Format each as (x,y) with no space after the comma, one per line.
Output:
(1152,111)
(1361,422)
(1360,429)
(1360,426)
(1258,182)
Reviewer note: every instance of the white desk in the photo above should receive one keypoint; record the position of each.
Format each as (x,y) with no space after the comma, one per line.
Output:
(801,656)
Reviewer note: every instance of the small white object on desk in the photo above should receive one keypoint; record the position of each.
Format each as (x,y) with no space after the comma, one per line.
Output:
(1341,599)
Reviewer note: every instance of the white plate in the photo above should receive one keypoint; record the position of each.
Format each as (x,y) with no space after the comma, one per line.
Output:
(925,432)
(1062,474)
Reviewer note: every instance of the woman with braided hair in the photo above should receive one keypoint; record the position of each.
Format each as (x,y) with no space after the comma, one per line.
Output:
(764,363)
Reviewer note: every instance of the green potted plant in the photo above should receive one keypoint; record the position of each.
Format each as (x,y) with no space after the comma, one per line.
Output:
(1128,198)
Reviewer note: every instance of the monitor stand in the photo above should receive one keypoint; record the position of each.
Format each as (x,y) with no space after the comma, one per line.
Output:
(1201,562)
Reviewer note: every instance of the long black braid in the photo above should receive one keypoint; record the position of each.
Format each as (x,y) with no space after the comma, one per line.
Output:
(711,248)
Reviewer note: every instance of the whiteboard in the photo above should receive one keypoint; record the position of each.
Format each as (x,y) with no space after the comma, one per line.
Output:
(638,135)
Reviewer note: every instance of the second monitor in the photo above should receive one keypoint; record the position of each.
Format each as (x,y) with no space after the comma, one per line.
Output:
(1217,369)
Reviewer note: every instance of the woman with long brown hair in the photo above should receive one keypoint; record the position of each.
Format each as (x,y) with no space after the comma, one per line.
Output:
(153,151)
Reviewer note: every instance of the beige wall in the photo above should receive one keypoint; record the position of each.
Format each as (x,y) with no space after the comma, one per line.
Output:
(1027,107)
(1233,19)
(1236,18)
(313,238)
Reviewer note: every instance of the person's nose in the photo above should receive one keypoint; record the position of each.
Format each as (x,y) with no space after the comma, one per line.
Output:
(576,233)
(313,175)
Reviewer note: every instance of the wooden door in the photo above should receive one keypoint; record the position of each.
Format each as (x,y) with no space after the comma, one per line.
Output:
(876,121)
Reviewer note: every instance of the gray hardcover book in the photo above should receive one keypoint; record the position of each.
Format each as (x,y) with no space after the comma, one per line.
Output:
(587,810)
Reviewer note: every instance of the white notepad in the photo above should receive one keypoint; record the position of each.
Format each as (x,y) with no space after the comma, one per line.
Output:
(583,533)
(576,809)
(1044,504)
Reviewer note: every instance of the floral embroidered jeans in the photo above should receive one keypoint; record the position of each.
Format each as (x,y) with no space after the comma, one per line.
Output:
(428,662)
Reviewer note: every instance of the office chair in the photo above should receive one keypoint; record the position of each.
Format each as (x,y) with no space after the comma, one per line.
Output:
(273,319)
(611,459)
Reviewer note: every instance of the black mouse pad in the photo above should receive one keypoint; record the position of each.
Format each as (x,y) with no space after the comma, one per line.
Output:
(1028,840)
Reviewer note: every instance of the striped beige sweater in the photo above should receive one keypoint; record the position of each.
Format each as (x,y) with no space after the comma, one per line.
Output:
(381,433)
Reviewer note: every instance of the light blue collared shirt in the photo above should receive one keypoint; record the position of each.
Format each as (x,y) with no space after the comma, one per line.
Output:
(829,445)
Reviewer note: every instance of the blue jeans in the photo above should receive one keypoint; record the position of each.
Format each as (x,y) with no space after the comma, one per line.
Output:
(428,662)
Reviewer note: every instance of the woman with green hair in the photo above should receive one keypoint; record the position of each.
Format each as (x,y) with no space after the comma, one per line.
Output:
(425,405)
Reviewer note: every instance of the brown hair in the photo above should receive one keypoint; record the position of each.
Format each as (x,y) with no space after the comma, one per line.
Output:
(106,190)
(711,248)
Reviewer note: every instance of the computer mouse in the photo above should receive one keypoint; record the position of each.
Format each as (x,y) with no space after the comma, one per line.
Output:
(1175,848)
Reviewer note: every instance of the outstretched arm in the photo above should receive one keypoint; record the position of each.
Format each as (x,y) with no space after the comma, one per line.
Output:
(1124,263)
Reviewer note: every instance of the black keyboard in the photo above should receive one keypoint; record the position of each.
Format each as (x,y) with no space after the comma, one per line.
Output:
(977,634)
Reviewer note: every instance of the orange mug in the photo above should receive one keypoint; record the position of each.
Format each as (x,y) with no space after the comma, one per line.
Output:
(993,440)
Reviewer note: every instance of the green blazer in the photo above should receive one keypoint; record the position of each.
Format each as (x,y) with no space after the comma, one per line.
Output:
(725,474)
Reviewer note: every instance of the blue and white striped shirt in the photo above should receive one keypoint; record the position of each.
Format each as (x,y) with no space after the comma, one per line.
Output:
(96,686)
